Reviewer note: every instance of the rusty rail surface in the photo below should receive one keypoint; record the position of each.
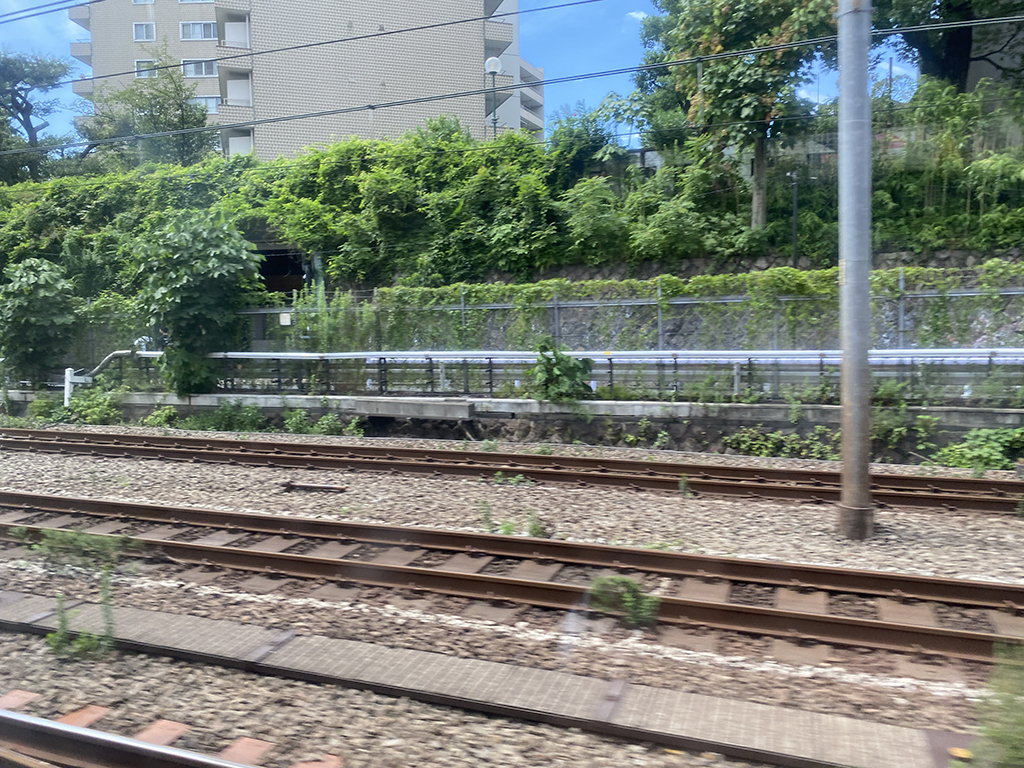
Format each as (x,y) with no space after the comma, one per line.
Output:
(817,486)
(835,630)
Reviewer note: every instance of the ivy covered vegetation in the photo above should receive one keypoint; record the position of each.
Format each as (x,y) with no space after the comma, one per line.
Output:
(438,207)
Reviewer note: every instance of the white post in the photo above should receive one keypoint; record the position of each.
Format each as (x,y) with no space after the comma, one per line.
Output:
(69,385)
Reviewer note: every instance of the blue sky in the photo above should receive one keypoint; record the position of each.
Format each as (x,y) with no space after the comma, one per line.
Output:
(568,41)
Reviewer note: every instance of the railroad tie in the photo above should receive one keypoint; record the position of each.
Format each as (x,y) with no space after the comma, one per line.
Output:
(246,751)
(162,733)
(17,699)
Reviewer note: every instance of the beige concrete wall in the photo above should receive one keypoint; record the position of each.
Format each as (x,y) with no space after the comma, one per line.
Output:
(318,79)
(376,71)
(114,50)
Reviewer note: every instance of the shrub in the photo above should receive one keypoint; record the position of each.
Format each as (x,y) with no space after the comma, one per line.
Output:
(161,417)
(297,422)
(558,377)
(984,449)
(96,406)
(328,424)
(622,595)
(36,318)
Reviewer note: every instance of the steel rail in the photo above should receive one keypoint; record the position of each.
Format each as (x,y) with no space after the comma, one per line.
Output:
(960,591)
(965,485)
(1003,496)
(834,630)
(71,745)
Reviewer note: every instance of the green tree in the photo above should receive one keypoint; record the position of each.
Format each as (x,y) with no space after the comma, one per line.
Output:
(598,228)
(197,273)
(36,317)
(949,54)
(150,105)
(749,93)
(24,79)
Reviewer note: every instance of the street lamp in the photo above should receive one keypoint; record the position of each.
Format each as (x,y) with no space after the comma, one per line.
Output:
(493,66)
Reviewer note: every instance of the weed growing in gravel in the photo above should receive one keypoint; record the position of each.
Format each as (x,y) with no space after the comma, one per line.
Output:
(1002,714)
(684,487)
(486,516)
(535,527)
(544,450)
(624,596)
(94,553)
(507,528)
(500,478)
(489,445)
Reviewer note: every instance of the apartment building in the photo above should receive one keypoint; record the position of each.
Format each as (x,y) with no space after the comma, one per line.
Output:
(257,84)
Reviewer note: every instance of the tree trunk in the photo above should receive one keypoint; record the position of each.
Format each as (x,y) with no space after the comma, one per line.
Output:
(759,182)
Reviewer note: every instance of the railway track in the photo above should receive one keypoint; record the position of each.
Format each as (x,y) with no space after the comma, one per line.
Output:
(814,486)
(797,601)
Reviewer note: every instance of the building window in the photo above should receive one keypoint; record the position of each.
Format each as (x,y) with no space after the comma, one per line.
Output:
(199,30)
(144,68)
(199,67)
(212,103)
(144,32)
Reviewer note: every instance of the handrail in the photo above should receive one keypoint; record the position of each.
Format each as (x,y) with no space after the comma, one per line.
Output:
(57,741)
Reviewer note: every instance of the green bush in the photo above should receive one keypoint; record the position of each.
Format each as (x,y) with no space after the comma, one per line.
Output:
(229,417)
(297,422)
(558,377)
(161,417)
(329,424)
(822,443)
(45,407)
(96,406)
(984,449)
(36,318)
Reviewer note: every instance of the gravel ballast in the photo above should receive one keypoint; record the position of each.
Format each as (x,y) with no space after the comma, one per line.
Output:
(305,720)
(855,684)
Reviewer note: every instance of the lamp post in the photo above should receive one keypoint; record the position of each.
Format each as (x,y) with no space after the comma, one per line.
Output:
(492,67)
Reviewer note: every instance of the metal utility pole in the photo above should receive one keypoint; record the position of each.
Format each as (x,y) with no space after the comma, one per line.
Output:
(795,176)
(856,516)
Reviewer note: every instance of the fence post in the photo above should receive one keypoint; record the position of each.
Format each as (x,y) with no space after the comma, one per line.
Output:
(661,320)
(901,324)
(462,307)
(557,320)
(376,321)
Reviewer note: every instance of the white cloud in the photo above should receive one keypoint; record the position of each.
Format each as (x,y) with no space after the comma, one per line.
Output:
(638,15)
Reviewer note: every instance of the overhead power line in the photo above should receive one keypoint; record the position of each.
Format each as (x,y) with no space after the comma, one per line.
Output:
(65,5)
(353,39)
(486,91)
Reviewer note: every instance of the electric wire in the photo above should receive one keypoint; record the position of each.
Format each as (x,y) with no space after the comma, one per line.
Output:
(64,3)
(487,91)
(355,38)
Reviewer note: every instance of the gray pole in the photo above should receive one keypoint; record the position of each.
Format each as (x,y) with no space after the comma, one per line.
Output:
(856,517)
(494,114)
(796,218)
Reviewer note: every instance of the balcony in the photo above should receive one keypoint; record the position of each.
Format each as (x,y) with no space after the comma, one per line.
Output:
(82,51)
(531,97)
(501,82)
(498,36)
(80,15)
(530,122)
(83,88)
